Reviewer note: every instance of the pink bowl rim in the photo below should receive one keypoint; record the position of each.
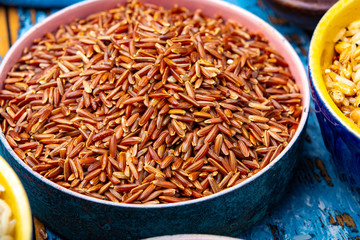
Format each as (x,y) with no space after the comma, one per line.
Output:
(302,81)
(193,237)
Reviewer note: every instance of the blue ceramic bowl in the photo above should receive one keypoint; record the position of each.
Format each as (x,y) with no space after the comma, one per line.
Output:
(76,216)
(341,136)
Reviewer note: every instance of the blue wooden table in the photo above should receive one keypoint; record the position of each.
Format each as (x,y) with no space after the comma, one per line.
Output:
(319,203)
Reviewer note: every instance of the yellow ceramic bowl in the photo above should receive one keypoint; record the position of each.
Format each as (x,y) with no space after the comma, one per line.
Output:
(17,199)
(341,135)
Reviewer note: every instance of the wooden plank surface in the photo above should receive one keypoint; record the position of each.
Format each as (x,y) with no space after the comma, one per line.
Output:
(9,28)
(14,24)
(4,33)
(319,203)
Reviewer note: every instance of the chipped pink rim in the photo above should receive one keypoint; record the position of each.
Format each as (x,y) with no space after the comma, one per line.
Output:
(210,8)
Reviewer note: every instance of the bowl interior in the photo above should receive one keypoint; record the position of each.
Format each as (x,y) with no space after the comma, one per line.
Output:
(16,198)
(209,8)
(322,50)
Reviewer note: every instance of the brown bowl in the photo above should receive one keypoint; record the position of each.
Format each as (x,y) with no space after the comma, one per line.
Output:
(305,13)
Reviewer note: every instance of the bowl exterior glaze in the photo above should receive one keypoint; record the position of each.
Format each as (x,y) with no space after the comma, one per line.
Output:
(15,197)
(340,142)
(341,136)
(76,216)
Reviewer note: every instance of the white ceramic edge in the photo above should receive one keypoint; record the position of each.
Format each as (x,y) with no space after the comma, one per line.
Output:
(286,45)
(192,237)
(315,84)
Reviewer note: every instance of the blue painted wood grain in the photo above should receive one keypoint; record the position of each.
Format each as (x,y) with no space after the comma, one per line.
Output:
(319,203)
(38,3)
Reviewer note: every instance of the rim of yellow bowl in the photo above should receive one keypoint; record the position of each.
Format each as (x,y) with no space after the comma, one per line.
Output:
(23,228)
(315,57)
